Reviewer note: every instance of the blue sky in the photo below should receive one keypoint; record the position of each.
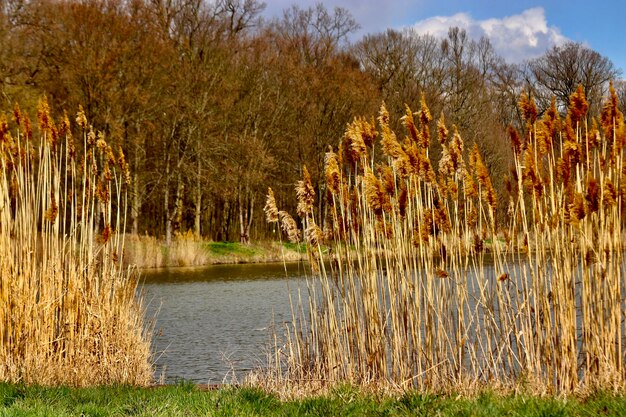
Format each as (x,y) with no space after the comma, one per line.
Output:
(518,29)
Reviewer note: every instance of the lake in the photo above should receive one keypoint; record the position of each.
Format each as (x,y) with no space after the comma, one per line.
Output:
(214,323)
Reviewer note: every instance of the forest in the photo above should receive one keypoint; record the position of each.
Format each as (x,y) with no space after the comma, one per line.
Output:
(211,102)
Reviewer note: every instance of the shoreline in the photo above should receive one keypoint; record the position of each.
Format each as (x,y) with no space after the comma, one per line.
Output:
(146,252)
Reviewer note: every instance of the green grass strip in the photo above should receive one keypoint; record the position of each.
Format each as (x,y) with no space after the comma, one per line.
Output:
(188,400)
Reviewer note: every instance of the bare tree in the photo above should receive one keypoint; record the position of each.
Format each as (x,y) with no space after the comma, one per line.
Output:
(563,68)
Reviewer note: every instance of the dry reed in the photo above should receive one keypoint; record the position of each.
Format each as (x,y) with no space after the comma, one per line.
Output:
(425,290)
(69,311)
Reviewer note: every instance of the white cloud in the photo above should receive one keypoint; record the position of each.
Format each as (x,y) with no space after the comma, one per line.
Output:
(516,38)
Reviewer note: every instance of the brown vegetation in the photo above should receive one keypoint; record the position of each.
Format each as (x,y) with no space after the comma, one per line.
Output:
(426,289)
(69,312)
(210,103)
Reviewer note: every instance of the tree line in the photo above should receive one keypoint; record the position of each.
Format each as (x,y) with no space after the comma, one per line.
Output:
(211,102)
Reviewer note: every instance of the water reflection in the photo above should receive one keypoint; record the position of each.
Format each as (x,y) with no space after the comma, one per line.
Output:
(214,322)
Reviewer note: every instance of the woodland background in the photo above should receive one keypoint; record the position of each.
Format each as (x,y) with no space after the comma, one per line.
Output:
(211,103)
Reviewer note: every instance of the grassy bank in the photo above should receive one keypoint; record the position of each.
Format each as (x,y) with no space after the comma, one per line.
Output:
(188,400)
(185,250)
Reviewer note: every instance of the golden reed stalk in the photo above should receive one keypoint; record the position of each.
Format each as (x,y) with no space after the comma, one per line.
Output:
(69,312)
(430,282)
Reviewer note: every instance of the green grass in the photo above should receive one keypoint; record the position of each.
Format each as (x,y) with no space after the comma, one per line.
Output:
(296,247)
(231,248)
(187,400)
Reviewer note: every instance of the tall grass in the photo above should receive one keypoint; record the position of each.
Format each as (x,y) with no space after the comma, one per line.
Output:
(426,288)
(69,312)
(187,250)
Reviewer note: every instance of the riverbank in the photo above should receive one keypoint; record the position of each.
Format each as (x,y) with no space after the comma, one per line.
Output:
(150,252)
(190,400)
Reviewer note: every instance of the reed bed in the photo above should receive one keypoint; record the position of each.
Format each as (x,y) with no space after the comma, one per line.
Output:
(69,311)
(431,283)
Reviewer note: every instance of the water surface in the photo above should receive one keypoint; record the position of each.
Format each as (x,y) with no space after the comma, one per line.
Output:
(215,323)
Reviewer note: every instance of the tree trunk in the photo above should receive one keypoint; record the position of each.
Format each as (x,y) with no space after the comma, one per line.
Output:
(250,216)
(225,221)
(135,205)
(178,205)
(198,204)
(243,220)
(166,204)
(246,211)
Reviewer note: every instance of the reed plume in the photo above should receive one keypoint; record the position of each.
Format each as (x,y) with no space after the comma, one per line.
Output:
(270,209)
(578,105)
(389,142)
(69,309)
(442,130)
(290,227)
(427,290)
(528,107)
(331,171)
(305,194)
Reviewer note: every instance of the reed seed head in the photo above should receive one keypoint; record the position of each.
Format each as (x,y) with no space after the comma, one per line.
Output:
(441,273)
(368,131)
(528,107)
(481,170)
(452,187)
(383,115)
(425,119)
(375,194)
(331,171)
(571,147)
(28,128)
(442,219)
(403,199)
(530,173)
(563,170)
(515,140)
(81,118)
(592,195)
(409,123)
(552,120)
(53,210)
(4,130)
(388,180)
(270,209)
(456,151)
(305,194)
(65,128)
(43,114)
(609,194)
(121,160)
(100,142)
(107,232)
(290,227)
(578,105)
(446,167)
(577,209)
(17,114)
(469,185)
(314,235)
(91,136)
(357,146)
(389,142)
(426,226)
(442,130)
(592,138)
